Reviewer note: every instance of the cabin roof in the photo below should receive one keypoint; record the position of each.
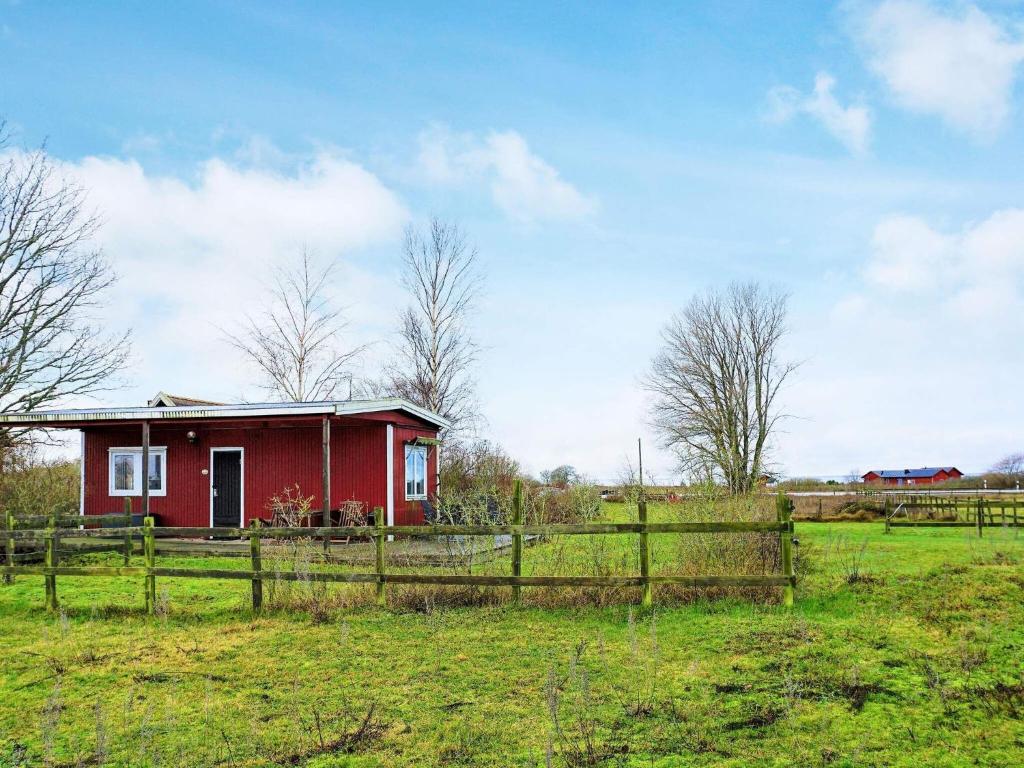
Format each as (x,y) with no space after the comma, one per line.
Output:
(72,417)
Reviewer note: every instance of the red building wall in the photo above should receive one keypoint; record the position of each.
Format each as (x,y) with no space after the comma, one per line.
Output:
(939,477)
(411,512)
(274,458)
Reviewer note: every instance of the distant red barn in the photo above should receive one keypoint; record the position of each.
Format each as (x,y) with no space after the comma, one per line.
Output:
(214,464)
(922,476)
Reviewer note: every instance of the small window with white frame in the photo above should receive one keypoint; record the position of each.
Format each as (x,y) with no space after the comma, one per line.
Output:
(415,472)
(126,471)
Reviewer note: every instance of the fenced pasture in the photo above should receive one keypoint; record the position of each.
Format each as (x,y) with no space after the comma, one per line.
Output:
(901,650)
(910,511)
(305,555)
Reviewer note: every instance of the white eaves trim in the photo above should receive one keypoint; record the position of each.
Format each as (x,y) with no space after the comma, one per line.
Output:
(253,410)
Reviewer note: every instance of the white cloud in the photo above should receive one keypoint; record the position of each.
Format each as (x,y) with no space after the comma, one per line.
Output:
(959,65)
(849,125)
(976,271)
(522,185)
(908,255)
(194,255)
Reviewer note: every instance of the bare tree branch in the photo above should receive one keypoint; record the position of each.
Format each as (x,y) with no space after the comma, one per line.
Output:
(715,382)
(436,351)
(296,344)
(51,346)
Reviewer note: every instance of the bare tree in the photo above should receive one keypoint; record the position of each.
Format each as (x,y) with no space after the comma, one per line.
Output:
(52,346)
(296,343)
(436,351)
(716,379)
(1013,464)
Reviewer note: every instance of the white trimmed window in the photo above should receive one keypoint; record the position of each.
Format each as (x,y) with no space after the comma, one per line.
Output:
(126,471)
(415,472)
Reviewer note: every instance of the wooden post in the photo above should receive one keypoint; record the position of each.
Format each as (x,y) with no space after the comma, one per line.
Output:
(378,540)
(784,510)
(149,552)
(145,468)
(50,561)
(885,514)
(257,565)
(127,534)
(1014,511)
(9,578)
(980,515)
(325,481)
(517,539)
(645,554)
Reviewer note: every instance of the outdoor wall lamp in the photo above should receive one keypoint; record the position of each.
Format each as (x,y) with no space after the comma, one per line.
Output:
(191,436)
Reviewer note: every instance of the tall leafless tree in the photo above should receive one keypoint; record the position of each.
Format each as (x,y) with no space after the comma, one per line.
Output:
(52,283)
(716,380)
(297,343)
(436,350)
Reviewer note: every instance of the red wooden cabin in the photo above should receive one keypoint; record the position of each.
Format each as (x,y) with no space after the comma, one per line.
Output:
(213,464)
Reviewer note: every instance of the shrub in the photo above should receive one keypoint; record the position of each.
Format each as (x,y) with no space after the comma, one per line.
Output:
(31,485)
(573,504)
(477,466)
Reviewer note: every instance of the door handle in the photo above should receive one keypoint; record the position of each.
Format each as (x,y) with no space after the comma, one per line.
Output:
(214,493)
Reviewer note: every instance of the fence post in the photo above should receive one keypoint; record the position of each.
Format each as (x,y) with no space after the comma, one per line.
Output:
(980,515)
(9,577)
(378,540)
(885,514)
(1014,511)
(257,565)
(50,561)
(784,511)
(517,539)
(149,552)
(127,533)
(645,554)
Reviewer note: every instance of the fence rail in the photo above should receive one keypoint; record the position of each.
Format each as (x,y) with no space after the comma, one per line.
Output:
(52,568)
(920,511)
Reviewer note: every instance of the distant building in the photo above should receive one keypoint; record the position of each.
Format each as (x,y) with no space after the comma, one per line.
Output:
(922,476)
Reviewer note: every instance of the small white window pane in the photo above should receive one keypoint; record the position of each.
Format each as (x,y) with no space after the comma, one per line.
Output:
(124,472)
(421,472)
(415,471)
(156,472)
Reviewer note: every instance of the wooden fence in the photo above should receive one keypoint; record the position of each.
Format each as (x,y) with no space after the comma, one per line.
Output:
(51,567)
(951,512)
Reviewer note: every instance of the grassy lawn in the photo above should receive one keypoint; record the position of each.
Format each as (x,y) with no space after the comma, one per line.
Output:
(905,649)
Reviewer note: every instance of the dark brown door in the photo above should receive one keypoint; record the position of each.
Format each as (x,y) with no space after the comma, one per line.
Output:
(227,489)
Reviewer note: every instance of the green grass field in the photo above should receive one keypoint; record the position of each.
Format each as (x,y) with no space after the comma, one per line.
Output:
(905,649)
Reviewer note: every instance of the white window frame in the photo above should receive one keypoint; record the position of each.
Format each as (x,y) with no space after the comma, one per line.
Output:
(409,450)
(154,450)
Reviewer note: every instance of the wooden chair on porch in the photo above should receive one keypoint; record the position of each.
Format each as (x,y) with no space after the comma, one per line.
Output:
(351,514)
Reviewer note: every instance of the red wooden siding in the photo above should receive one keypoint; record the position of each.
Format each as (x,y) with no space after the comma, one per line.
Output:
(358,465)
(275,457)
(411,512)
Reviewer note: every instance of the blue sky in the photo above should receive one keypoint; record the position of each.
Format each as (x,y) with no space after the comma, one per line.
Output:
(607,161)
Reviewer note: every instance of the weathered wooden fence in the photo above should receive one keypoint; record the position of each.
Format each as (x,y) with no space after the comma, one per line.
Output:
(51,568)
(952,512)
